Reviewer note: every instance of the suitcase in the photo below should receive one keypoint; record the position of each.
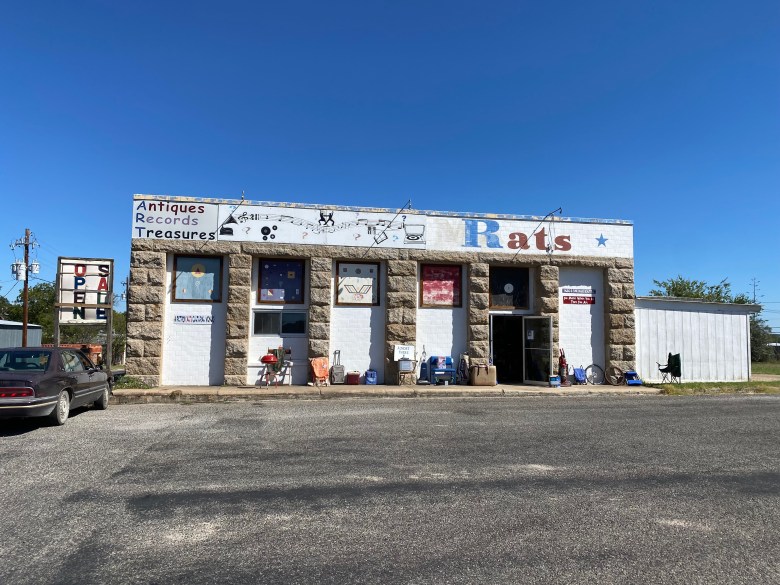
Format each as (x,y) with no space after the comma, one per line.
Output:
(337,372)
(482,375)
(353,378)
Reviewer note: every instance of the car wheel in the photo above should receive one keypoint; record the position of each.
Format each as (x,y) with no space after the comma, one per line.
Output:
(102,402)
(60,413)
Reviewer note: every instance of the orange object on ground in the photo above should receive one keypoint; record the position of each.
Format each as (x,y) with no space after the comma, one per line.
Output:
(319,370)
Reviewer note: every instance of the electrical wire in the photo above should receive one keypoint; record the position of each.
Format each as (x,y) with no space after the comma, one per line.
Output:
(5,296)
(553,212)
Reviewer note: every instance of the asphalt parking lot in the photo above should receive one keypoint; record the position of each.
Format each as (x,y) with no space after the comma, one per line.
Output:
(532,490)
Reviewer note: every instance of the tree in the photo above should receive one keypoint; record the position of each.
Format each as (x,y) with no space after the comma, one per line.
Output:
(760,333)
(40,308)
(697,289)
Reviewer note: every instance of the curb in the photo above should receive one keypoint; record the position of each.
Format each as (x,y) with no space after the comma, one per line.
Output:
(214,394)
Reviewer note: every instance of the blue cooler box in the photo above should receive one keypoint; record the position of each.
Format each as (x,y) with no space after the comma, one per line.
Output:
(370,377)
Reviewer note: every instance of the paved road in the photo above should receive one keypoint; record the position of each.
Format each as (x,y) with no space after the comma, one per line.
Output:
(572,490)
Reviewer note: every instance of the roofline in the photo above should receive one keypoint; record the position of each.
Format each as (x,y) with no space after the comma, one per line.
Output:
(140,196)
(749,307)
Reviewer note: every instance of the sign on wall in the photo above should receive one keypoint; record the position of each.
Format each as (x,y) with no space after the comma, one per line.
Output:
(440,286)
(84,290)
(325,226)
(187,219)
(175,220)
(578,295)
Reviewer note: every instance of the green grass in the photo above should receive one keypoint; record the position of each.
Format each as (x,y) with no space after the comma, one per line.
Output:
(766,368)
(715,388)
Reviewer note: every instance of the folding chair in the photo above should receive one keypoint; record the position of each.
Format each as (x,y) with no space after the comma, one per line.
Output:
(672,369)
(319,371)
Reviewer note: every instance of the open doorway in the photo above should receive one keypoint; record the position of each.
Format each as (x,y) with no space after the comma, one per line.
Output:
(506,336)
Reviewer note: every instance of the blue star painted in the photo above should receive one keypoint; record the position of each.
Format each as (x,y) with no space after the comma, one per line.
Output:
(602,241)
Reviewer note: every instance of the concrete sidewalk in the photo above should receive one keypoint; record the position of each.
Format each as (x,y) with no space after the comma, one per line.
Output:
(164,394)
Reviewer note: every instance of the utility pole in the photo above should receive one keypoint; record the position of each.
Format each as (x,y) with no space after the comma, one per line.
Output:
(755,284)
(25,243)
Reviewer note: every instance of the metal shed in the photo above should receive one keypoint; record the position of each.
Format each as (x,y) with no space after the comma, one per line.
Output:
(11,334)
(713,339)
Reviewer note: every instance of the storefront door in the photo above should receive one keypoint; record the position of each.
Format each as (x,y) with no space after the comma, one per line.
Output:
(537,349)
(506,347)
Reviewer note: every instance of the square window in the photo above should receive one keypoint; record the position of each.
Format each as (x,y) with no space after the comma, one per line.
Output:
(440,285)
(281,281)
(509,287)
(197,279)
(285,323)
(293,323)
(267,323)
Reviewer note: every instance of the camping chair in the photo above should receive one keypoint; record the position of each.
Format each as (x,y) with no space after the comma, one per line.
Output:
(672,369)
(319,371)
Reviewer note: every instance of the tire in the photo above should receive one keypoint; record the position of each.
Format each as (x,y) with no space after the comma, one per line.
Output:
(102,402)
(594,374)
(615,376)
(60,413)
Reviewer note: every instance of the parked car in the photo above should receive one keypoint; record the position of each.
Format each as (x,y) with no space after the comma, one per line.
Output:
(49,381)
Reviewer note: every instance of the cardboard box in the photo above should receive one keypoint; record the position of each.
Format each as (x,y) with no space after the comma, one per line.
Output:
(482,375)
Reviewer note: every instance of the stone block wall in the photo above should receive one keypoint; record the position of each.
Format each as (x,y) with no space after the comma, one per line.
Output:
(620,326)
(546,298)
(239,293)
(145,302)
(147,294)
(401,311)
(478,298)
(320,295)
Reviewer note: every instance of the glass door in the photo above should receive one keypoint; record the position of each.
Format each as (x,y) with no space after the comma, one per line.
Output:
(537,349)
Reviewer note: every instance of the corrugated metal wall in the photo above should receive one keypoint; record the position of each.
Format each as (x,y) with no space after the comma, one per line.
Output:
(713,341)
(11,336)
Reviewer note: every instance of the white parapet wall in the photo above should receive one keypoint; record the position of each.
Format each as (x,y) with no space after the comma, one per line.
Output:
(713,339)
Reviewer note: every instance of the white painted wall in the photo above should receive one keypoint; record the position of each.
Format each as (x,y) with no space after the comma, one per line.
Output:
(260,344)
(443,331)
(581,327)
(194,353)
(713,339)
(359,333)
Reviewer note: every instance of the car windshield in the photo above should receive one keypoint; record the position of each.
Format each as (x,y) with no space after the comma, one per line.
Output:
(24,360)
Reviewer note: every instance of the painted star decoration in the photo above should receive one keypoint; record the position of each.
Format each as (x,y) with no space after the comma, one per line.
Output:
(602,241)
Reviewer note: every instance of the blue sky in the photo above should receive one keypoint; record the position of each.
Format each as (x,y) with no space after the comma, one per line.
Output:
(663,113)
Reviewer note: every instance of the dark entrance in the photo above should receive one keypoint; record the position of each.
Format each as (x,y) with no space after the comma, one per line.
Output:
(506,334)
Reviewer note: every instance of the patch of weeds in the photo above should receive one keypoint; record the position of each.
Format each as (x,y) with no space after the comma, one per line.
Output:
(130,382)
(716,388)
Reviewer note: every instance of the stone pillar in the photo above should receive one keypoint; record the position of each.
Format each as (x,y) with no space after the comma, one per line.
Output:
(401,312)
(320,297)
(145,309)
(239,292)
(621,330)
(546,301)
(479,313)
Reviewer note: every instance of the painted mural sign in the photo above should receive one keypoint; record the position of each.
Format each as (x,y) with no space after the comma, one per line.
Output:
(191,219)
(327,227)
(175,220)
(578,295)
(84,290)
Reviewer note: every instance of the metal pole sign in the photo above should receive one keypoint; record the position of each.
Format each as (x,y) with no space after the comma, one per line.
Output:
(85,296)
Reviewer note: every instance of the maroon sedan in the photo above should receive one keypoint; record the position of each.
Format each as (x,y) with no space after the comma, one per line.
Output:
(46,381)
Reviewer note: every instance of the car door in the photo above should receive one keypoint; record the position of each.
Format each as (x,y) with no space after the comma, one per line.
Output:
(97,377)
(78,376)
